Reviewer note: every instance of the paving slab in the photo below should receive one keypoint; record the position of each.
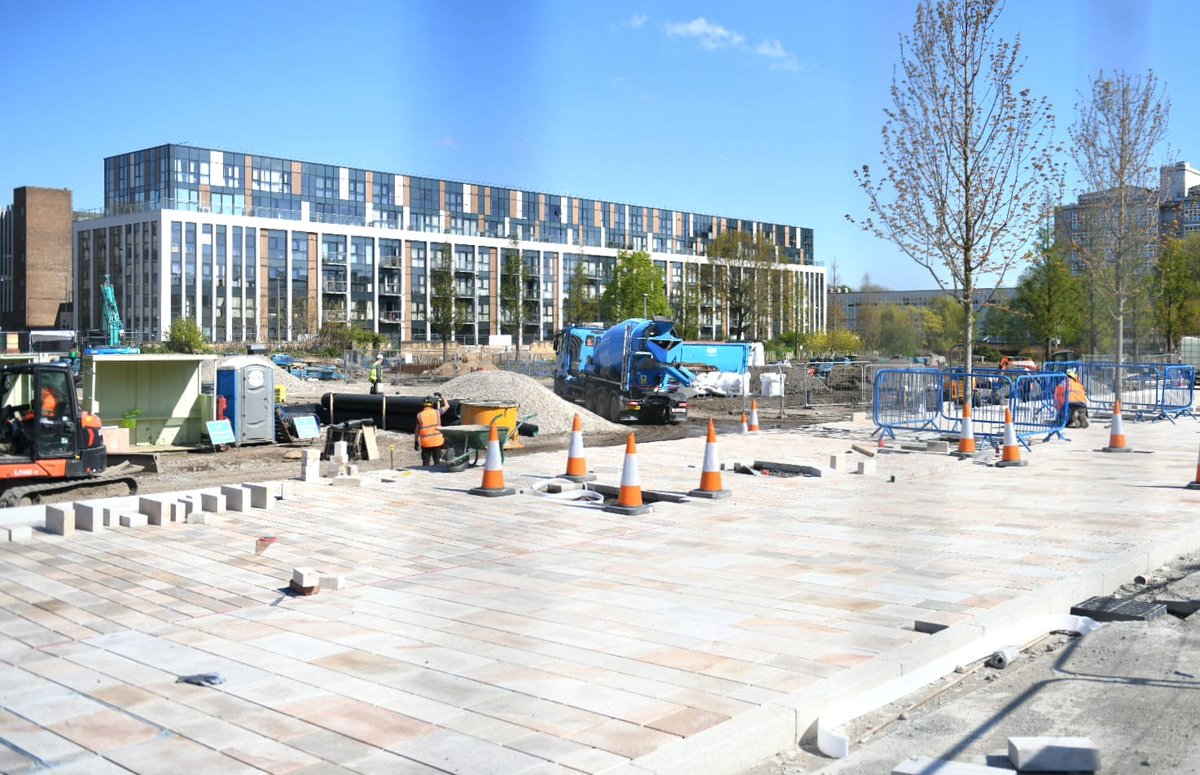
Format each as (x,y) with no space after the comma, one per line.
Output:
(528,634)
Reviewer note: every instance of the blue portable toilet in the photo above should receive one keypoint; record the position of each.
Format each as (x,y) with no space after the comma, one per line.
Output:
(248,386)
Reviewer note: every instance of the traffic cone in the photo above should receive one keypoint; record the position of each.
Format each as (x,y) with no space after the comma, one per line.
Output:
(1116,435)
(629,498)
(753,416)
(710,474)
(966,437)
(744,428)
(576,463)
(1011,455)
(493,469)
(1196,484)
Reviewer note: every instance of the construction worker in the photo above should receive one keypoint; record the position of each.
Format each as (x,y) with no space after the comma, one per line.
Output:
(428,432)
(376,374)
(1071,397)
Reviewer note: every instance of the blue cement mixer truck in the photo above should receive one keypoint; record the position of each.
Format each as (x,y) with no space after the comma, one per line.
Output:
(630,372)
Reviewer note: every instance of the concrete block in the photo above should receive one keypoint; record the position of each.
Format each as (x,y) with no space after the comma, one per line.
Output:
(133,520)
(157,511)
(310,472)
(866,466)
(197,518)
(1053,754)
(184,507)
(112,516)
(305,577)
(261,496)
(212,502)
(938,447)
(923,765)
(858,417)
(89,517)
(351,470)
(310,455)
(334,582)
(17,534)
(237,498)
(839,462)
(60,520)
(347,481)
(341,452)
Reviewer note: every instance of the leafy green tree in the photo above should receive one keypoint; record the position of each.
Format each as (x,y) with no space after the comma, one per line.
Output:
(446,312)
(942,324)
(1050,298)
(185,337)
(517,292)
(636,286)
(579,306)
(1177,290)
(685,303)
(899,329)
(742,263)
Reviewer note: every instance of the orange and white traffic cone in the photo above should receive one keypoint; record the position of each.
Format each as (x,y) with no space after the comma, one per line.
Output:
(744,428)
(1116,435)
(576,462)
(493,469)
(753,416)
(1196,484)
(629,498)
(1011,454)
(710,474)
(966,436)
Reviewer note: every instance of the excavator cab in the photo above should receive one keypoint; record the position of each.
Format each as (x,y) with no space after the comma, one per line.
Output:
(40,416)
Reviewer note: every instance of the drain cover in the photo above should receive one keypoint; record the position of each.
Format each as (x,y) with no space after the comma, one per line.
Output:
(1111,609)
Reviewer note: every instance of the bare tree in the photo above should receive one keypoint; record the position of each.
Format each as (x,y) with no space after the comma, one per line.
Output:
(968,156)
(446,311)
(1117,131)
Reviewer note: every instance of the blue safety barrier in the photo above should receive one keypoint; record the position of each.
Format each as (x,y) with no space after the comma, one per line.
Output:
(1149,391)
(916,400)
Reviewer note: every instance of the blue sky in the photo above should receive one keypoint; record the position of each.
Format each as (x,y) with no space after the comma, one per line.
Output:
(757,110)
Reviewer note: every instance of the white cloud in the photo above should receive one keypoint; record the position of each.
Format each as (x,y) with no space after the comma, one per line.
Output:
(711,36)
(638,20)
(772,49)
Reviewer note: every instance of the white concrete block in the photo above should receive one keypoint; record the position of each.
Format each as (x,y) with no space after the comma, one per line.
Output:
(17,534)
(923,765)
(341,452)
(866,466)
(111,516)
(858,417)
(60,520)
(89,517)
(184,507)
(261,496)
(212,502)
(310,456)
(305,577)
(351,470)
(347,481)
(1053,754)
(334,582)
(938,447)
(157,510)
(839,462)
(310,472)
(133,520)
(197,518)
(236,498)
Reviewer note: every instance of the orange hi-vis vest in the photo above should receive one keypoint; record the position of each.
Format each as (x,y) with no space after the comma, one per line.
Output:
(429,427)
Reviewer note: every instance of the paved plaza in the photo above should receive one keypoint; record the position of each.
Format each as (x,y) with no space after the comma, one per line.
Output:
(526,634)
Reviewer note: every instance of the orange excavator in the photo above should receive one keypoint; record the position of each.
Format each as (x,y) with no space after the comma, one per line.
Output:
(48,445)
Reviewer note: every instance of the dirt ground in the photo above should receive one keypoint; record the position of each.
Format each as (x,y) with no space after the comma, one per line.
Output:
(1133,688)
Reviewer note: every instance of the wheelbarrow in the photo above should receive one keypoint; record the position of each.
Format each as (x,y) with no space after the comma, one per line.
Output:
(465,442)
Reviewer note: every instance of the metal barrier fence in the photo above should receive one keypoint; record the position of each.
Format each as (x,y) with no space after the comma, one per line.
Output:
(931,400)
(1149,391)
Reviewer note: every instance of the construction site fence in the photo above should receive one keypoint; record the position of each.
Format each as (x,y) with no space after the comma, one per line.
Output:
(932,400)
(1149,391)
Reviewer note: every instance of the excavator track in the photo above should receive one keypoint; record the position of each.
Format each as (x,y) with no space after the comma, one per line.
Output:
(36,492)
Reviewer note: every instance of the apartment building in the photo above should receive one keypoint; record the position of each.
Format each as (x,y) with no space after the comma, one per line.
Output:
(261,248)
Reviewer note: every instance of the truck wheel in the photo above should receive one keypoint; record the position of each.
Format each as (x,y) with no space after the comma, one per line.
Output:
(615,405)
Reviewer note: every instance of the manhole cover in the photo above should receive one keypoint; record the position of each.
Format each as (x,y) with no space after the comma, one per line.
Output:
(1111,609)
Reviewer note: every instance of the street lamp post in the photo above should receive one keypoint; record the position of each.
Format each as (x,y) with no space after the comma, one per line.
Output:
(645,305)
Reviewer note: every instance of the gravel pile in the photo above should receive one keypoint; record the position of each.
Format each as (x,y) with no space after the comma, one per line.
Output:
(282,377)
(554,415)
